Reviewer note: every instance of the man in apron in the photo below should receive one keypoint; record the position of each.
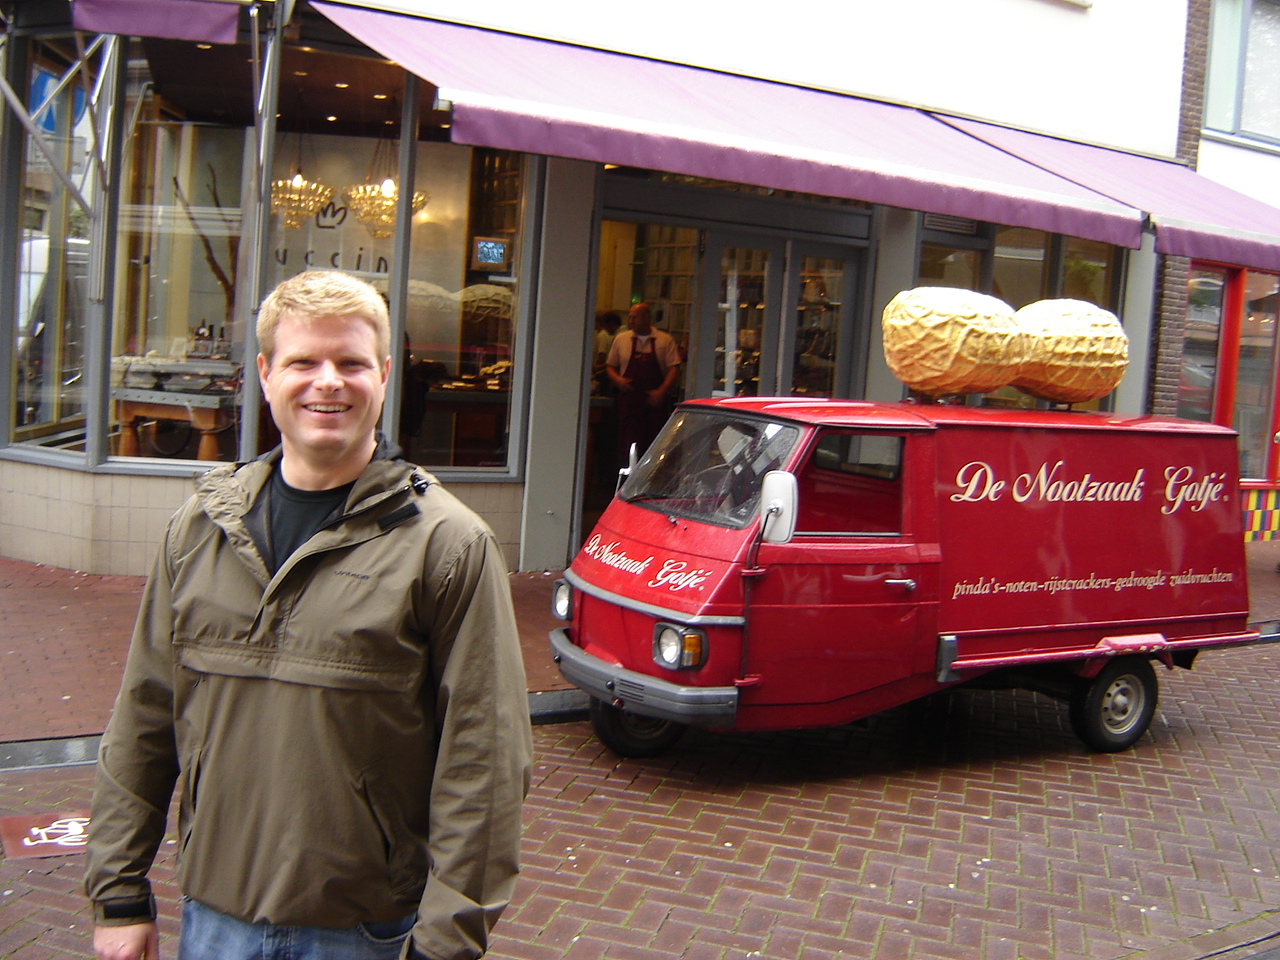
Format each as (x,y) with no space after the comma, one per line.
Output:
(643,364)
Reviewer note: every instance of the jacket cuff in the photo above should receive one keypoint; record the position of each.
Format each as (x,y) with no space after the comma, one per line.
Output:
(122,911)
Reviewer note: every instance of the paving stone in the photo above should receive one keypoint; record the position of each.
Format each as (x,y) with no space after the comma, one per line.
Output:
(970,824)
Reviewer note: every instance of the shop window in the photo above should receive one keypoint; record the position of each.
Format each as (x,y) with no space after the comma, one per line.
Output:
(1244,69)
(1020,266)
(181,315)
(1205,304)
(1023,266)
(946,266)
(1090,271)
(53,261)
(178,330)
(460,330)
(1254,412)
(177,341)
(1229,356)
(336,205)
(1019,275)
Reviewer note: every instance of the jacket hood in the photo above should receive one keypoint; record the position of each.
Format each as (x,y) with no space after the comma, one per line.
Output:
(232,488)
(228,492)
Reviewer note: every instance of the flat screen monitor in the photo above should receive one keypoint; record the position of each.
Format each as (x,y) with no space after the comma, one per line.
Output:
(491,253)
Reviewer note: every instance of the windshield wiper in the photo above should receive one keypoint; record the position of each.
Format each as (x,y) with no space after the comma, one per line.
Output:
(649,497)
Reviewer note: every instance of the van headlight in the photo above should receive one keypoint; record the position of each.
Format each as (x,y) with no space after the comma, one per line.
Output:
(562,600)
(678,647)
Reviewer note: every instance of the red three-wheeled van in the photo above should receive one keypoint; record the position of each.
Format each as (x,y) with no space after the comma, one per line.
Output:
(786,563)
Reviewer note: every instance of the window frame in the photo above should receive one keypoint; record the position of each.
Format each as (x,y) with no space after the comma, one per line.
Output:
(1226,69)
(1230,334)
(16,61)
(808,464)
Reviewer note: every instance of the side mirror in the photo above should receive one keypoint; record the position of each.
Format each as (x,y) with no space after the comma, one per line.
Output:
(633,458)
(778,496)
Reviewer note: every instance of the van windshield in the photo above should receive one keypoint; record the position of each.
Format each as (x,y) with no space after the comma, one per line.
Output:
(708,466)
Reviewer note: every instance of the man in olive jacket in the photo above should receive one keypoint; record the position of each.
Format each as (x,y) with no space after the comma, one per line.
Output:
(326,661)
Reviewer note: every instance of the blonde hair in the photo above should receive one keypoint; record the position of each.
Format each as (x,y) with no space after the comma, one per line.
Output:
(323,293)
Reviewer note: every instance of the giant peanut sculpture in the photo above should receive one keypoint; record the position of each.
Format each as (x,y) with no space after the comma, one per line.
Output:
(942,341)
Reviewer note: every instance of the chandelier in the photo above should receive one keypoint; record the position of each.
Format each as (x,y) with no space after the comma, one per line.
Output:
(374,201)
(298,198)
(375,205)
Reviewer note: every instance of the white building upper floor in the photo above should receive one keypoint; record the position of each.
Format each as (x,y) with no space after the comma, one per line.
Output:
(1100,71)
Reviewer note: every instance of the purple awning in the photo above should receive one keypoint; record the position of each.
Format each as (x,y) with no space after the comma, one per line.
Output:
(1193,215)
(203,21)
(539,96)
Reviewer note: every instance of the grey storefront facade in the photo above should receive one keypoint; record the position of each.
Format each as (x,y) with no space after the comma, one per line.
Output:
(155,187)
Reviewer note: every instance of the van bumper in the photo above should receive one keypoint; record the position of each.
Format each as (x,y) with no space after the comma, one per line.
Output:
(640,693)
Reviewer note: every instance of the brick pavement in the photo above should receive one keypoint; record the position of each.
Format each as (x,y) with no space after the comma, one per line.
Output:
(64,635)
(968,825)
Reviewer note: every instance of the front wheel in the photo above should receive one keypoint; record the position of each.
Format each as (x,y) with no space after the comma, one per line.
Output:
(1112,711)
(631,734)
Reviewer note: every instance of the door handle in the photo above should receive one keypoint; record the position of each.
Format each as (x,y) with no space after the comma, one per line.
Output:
(907,585)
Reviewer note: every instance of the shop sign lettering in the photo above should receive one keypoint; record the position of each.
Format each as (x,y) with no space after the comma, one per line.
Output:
(612,555)
(1183,487)
(673,575)
(319,258)
(676,575)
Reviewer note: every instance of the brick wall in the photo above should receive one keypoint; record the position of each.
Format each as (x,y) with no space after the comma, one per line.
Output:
(1166,348)
(1194,67)
(1171,287)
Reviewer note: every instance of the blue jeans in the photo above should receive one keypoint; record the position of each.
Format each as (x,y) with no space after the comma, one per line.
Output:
(210,935)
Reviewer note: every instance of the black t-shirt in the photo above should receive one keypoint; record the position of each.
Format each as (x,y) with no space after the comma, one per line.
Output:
(294,516)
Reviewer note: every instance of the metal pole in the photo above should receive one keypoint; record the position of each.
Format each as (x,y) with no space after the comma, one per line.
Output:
(102,255)
(256,218)
(13,68)
(398,277)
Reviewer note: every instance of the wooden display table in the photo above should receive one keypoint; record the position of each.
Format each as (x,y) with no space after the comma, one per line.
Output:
(208,413)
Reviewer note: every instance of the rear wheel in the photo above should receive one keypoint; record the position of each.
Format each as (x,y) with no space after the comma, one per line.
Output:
(1112,711)
(631,734)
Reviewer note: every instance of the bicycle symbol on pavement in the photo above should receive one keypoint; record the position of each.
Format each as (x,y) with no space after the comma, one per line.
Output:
(65,832)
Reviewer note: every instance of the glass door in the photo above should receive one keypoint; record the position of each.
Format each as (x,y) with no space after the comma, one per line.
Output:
(739,316)
(775,318)
(818,335)
(752,315)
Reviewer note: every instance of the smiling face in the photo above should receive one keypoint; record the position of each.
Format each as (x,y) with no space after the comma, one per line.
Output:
(325,383)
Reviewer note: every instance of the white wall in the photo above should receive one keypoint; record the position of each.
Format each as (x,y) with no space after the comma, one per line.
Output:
(1254,172)
(102,524)
(1106,71)
(560,364)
